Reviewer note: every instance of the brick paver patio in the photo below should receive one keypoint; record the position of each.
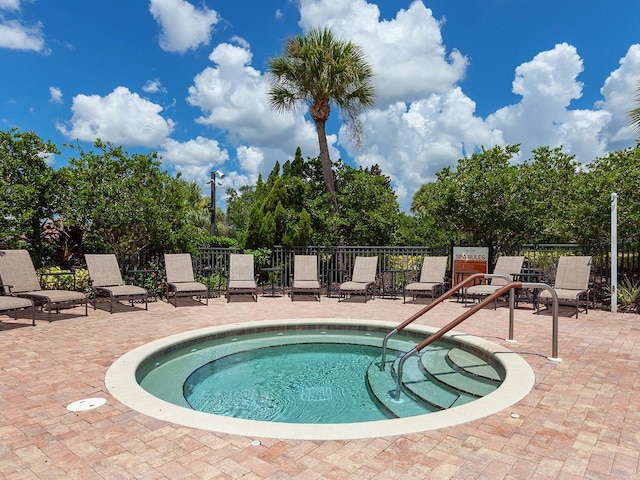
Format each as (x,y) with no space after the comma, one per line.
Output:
(580,420)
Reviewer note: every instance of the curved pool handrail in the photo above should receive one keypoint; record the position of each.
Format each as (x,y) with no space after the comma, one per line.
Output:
(451,325)
(469,280)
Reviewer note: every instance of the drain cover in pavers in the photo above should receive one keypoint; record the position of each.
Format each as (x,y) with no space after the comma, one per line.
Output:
(86,404)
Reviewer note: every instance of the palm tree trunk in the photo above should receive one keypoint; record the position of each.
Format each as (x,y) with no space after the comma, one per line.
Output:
(327,171)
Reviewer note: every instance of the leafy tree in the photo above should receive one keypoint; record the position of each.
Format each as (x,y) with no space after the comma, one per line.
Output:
(477,200)
(319,69)
(548,196)
(369,209)
(125,204)
(238,209)
(291,207)
(27,191)
(617,172)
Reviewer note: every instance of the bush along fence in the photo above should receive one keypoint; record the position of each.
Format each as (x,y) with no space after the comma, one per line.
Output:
(336,262)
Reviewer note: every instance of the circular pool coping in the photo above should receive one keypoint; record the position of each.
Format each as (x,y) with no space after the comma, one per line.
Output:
(121,382)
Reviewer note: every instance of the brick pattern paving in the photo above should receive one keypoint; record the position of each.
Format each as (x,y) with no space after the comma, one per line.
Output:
(580,421)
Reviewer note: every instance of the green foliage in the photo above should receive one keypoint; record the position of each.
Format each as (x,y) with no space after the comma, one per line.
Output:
(628,295)
(617,172)
(292,208)
(489,199)
(57,278)
(28,189)
(152,279)
(216,282)
(368,212)
(125,204)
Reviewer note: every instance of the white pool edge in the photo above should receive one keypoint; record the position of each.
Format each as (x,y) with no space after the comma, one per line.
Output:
(121,383)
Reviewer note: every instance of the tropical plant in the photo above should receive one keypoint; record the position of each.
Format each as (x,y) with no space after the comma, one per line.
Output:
(628,295)
(634,115)
(318,69)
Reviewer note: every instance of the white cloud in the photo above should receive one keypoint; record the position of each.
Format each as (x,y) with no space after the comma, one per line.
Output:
(547,84)
(194,158)
(411,142)
(15,36)
(233,97)
(121,117)
(407,53)
(619,92)
(250,159)
(55,95)
(279,15)
(9,4)
(154,86)
(183,26)
(423,120)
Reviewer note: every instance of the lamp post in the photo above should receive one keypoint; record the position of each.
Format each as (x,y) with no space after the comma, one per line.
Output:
(215,173)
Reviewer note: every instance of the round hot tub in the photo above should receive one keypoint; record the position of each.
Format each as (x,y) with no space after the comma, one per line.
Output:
(260,379)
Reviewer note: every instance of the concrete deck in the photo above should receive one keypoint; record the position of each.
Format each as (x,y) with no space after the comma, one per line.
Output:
(580,420)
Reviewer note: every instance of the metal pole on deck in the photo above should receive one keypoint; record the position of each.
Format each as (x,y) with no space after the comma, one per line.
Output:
(614,252)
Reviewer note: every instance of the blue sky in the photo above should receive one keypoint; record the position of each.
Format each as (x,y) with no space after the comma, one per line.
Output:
(188,79)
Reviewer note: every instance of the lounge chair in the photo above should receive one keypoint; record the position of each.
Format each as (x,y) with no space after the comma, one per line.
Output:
(180,279)
(431,279)
(305,276)
(362,280)
(242,279)
(506,265)
(10,304)
(19,278)
(106,281)
(571,283)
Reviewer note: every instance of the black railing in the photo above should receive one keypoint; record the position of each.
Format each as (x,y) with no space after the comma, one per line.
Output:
(336,262)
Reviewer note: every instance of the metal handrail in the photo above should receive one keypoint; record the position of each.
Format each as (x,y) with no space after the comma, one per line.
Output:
(498,293)
(437,301)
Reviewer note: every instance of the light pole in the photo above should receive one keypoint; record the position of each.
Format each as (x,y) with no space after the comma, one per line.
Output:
(215,173)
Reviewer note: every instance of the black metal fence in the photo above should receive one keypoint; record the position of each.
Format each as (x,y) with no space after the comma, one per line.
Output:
(336,262)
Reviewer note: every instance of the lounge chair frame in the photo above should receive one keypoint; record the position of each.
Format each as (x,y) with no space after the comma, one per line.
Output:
(431,281)
(19,278)
(305,277)
(106,281)
(242,278)
(571,283)
(363,279)
(12,304)
(180,281)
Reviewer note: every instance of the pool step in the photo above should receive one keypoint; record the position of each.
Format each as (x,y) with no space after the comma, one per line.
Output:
(434,380)
(382,385)
(474,365)
(441,366)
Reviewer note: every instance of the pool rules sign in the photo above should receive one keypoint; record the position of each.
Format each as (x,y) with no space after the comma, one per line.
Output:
(469,260)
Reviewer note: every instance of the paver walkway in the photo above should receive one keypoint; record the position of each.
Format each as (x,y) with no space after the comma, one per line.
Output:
(580,420)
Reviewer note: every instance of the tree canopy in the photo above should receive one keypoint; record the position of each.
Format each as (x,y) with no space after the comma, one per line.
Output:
(291,207)
(28,190)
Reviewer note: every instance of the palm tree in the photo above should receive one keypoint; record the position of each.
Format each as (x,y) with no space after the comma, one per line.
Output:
(634,115)
(318,69)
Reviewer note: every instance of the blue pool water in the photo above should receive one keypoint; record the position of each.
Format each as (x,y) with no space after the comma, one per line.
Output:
(300,383)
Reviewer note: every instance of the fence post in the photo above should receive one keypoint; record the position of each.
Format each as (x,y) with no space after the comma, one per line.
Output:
(614,252)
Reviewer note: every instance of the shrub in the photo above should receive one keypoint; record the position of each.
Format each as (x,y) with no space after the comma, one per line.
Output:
(628,295)
(55,277)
